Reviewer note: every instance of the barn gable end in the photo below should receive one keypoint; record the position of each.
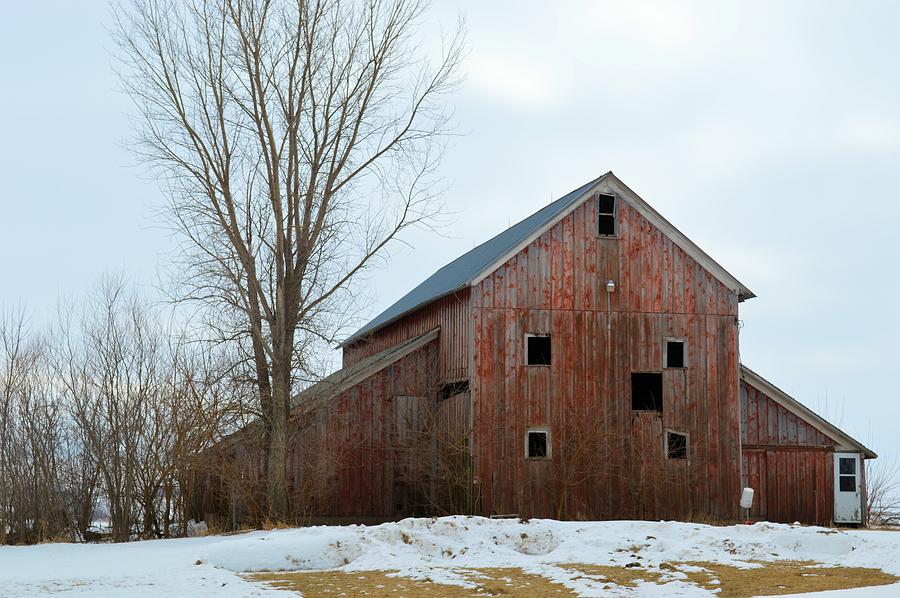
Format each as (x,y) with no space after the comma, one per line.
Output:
(557,285)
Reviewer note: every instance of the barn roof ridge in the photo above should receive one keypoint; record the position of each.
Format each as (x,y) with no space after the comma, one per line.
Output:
(479,262)
(804,412)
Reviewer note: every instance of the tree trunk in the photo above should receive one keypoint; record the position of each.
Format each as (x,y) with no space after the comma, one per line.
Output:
(276,466)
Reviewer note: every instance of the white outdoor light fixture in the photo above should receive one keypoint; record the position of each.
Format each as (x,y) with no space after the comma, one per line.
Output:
(746,503)
(610,289)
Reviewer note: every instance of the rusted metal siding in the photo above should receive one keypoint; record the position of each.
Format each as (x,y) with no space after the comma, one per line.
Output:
(450,313)
(557,285)
(788,462)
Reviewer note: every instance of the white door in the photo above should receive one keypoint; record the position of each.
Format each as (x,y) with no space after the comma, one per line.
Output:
(847,488)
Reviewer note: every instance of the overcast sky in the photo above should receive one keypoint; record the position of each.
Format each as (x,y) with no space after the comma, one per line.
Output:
(769,133)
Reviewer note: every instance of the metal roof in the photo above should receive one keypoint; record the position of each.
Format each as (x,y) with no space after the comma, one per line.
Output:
(459,273)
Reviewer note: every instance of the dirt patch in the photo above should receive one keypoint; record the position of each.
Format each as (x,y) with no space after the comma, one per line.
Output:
(784,577)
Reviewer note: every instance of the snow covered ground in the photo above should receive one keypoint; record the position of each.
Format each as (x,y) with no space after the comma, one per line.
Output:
(435,549)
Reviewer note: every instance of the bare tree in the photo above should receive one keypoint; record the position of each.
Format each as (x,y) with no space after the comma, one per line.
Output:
(109,362)
(298,138)
(883,493)
(31,508)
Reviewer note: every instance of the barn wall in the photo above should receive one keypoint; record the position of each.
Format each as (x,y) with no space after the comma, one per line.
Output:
(788,463)
(359,454)
(450,313)
(558,285)
(382,450)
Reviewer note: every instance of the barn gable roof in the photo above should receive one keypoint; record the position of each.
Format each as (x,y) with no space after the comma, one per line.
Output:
(349,376)
(334,384)
(845,441)
(473,266)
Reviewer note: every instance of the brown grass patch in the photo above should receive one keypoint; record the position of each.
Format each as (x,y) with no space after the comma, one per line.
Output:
(270,525)
(377,584)
(615,575)
(771,579)
(785,577)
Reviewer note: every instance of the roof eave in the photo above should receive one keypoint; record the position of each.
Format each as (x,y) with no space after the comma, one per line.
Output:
(801,410)
(360,336)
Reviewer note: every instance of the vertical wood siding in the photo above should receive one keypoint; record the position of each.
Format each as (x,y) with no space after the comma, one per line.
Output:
(450,313)
(557,285)
(788,463)
(358,454)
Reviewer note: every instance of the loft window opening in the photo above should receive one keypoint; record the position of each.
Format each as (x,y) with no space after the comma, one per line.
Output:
(451,389)
(675,353)
(537,349)
(646,391)
(537,444)
(606,215)
(676,445)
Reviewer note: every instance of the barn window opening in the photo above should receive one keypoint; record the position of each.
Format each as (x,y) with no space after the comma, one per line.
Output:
(675,357)
(847,476)
(606,210)
(537,349)
(451,389)
(537,444)
(646,391)
(676,445)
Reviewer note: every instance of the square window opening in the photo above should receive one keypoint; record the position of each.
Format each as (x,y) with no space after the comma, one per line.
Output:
(848,466)
(606,226)
(676,445)
(675,354)
(537,444)
(848,483)
(646,391)
(451,389)
(606,204)
(537,348)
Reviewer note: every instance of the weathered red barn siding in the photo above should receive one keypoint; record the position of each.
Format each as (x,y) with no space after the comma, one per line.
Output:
(788,463)
(450,313)
(355,455)
(558,285)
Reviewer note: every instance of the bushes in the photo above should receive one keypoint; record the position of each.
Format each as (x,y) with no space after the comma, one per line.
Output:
(103,417)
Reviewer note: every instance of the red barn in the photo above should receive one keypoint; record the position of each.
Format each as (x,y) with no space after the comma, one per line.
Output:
(583,363)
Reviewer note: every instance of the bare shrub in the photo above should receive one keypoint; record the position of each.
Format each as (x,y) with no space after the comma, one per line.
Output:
(882,493)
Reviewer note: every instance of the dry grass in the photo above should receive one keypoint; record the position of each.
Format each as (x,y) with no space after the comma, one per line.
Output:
(785,577)
(515,582)
(269,525)
(378,584)
(610,575)
(771,579)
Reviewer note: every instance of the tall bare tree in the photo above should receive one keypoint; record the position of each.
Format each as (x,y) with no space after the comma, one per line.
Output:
(298,138)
